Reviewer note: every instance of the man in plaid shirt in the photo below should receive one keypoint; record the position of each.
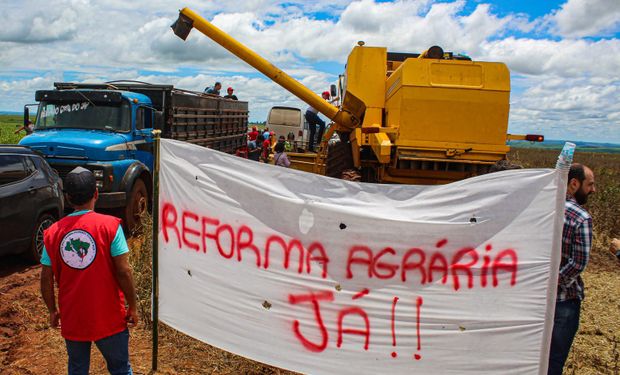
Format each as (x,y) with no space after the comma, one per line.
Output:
(576,244)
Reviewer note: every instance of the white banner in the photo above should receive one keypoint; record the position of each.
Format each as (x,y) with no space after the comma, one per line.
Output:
(325,276)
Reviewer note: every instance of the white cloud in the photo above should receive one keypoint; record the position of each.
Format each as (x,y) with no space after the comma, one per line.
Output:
(260,93)
(116,39)
(54,24)
(582,18)
(16,93)
(567,109)
(119,33)
(565,58)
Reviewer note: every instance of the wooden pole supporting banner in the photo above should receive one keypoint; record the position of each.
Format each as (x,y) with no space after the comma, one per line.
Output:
(155,244)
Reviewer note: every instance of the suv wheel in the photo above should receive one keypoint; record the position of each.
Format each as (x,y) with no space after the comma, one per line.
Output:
(36,247)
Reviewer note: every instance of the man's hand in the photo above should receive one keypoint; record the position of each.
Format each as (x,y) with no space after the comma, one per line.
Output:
(125,281)
(132,317)
(55,319)
(614,247)
(47,291)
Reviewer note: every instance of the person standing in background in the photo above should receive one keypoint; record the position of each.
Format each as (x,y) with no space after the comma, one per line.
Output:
(280,158)
(229,94)
(576,246)
(312,116)
(252,136)
(215,90)
(266,147)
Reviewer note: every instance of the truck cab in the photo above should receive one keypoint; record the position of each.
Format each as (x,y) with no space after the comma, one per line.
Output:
(107,128)
(106,131)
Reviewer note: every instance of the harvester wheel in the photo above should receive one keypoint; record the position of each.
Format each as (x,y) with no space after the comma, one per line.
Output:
(339,158)
(369,174)
(502,165)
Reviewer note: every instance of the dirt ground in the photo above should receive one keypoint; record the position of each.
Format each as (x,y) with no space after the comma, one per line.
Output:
(29,346)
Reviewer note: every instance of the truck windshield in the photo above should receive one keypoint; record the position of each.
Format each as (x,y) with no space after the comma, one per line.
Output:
(84,115)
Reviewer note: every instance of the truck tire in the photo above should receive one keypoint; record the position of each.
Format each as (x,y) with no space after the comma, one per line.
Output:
(36,245)
(339,158)
(137,206)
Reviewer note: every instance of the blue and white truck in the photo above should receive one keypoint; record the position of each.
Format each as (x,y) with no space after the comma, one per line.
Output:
(107,128)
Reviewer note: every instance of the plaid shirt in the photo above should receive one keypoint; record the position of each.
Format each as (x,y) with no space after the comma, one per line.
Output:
(576,244)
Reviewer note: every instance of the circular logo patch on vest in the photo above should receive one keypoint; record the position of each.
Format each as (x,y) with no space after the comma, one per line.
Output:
(78,249)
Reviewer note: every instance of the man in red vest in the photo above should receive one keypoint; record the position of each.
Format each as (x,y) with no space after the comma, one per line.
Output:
(86,253)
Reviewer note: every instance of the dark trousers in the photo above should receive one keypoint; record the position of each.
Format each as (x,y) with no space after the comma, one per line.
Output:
(565,324)
(314,120)
(115,350)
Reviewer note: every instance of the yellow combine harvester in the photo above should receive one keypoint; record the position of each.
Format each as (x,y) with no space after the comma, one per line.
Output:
(404,118)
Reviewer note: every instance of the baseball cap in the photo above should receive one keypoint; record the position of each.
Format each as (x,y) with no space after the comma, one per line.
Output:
(80,184)
(229,89)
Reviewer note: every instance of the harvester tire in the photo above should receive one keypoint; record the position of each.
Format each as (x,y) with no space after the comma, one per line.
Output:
(502,165)
(339,158)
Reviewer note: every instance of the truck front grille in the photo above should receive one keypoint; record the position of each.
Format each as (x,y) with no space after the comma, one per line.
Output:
(63,170)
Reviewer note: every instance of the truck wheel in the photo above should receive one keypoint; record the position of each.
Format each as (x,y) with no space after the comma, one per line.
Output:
(136,206)
(36,246)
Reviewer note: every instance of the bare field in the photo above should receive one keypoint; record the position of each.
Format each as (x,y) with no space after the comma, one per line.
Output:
(596,349)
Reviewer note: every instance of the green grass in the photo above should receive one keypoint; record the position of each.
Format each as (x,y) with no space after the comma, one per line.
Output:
(8,125)
(259,125)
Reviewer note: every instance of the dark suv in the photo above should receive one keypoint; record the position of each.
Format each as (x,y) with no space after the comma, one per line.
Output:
(31,199)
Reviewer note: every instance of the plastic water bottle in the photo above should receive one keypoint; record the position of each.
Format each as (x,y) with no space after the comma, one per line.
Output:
(565,159)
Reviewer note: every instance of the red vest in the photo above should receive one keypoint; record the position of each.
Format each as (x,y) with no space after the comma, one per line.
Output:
(91,302)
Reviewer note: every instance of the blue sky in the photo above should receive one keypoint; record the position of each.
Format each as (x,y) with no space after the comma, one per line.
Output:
(533,9)
(564,56)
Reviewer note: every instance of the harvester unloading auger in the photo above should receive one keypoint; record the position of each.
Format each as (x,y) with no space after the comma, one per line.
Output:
(404,118)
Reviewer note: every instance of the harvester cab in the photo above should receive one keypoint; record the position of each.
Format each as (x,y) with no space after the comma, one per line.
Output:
(426,118)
